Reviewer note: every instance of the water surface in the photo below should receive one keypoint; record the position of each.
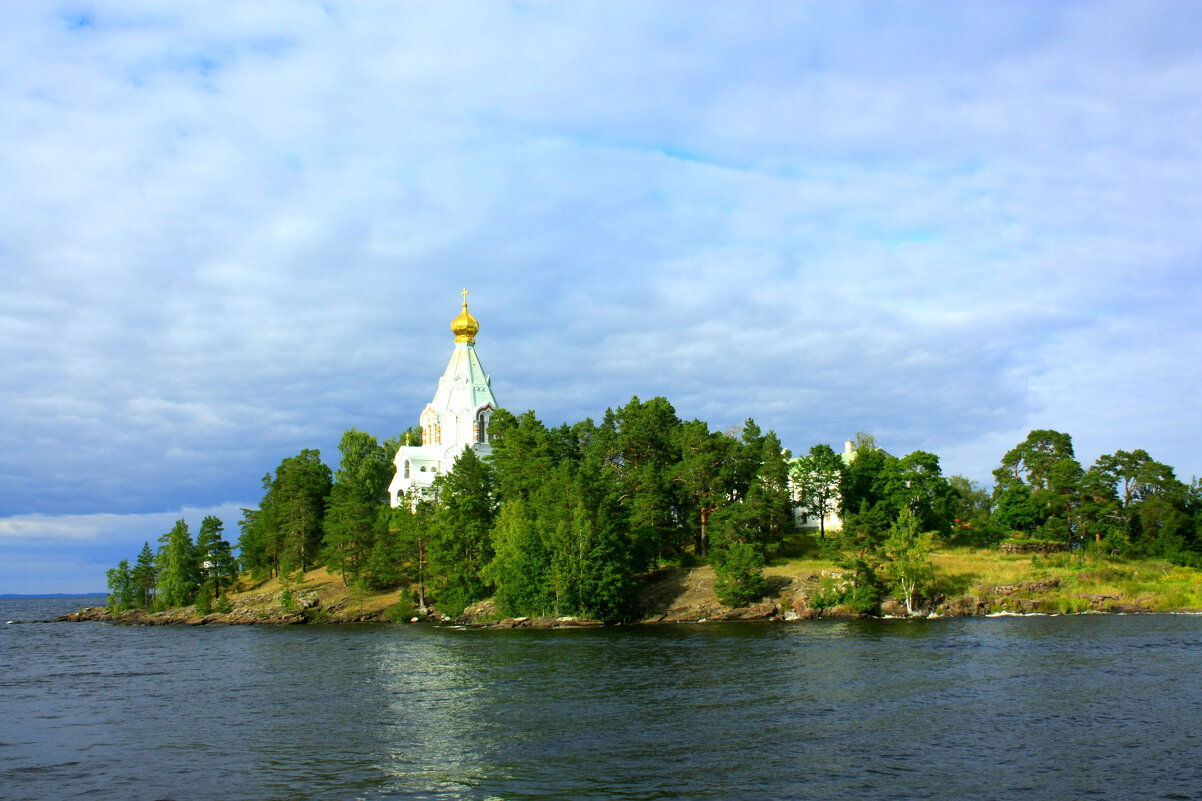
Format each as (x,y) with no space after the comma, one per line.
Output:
(1044,707)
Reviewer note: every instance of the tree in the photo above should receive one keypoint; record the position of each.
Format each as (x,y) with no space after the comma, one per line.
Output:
(769,499)
(860,479)
(179,571)
(403,554)
(297,500)
(518,569)
(972,511)
(521,454)
(815,478)
(258,542)
(145,576)
(1017,510)
(211,529)
(121,586)
(1044,464)
(909,554)
(218,567)
(460,547)
(704,475)
(352,519)
(739,574)
(1030,462)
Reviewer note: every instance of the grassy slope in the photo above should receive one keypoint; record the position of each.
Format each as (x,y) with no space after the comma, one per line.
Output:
(1003,582)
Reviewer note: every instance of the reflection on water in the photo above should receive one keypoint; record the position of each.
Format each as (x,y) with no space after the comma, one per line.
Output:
(1016,708)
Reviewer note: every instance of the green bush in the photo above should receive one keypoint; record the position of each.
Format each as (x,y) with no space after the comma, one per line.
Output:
(739,575)
(204,599)
(401,611)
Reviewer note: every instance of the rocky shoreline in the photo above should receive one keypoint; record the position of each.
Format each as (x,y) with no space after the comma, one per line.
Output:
(484,615)
(674,595)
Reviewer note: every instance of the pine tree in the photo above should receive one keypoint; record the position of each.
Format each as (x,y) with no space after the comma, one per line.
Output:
(179,575)
(145,576)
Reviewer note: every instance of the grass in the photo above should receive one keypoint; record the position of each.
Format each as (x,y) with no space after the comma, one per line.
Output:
(1084,582)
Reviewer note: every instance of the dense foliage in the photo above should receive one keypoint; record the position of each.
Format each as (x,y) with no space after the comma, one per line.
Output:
(568,520)
(181,573)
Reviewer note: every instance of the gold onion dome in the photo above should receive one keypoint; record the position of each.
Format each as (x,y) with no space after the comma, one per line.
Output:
(465,327)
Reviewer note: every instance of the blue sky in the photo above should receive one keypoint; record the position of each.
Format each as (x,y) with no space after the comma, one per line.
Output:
(232,231)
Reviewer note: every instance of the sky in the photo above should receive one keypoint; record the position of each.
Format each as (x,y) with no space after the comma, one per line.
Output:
(229,232)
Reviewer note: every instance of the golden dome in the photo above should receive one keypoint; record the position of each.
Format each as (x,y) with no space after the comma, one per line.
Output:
(465,327)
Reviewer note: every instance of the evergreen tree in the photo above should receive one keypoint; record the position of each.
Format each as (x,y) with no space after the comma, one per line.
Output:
(259,541)
(459,548)
(739,574)
(518,569)
(179,574)
(353,517)
(1044,464)
(704,477)
(297,501)
(769,501)
(145,577)
(211,529)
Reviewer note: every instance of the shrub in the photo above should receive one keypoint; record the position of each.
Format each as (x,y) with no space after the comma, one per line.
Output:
(399,612)
(739,574)
(204,599)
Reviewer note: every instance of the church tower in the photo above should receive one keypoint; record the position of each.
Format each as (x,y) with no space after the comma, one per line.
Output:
(455,420)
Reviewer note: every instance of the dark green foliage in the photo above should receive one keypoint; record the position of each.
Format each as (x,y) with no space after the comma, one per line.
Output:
(204,599)
(178,567)
(972,514)
(122,593)
(298,500)
(284,534)
(816,478)
(217,566)
(739,574)
(519,569)
(460,548)
(145,576)
(1017,510)
(354,516)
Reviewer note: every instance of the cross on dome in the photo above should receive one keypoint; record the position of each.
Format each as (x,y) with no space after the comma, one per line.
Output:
(465,327)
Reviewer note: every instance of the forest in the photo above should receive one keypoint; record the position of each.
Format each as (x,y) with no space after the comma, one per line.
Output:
(567,521)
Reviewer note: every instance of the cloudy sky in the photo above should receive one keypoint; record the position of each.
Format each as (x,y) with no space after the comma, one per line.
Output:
(230,232)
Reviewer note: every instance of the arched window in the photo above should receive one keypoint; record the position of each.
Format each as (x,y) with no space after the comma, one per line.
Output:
(482,425)
(406,468)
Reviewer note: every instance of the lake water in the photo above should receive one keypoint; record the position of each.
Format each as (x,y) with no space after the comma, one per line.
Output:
(1002,708)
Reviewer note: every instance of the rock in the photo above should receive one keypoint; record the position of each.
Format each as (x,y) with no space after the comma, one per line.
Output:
(892,607)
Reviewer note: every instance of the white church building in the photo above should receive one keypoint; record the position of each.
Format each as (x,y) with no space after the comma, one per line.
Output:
(457,418)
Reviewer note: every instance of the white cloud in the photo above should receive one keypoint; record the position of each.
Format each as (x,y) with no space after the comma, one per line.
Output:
(228,233)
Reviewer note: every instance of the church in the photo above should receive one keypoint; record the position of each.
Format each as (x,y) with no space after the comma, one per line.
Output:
(457,418)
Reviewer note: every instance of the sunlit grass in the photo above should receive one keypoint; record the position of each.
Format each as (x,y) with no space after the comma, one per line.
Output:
(1085,581)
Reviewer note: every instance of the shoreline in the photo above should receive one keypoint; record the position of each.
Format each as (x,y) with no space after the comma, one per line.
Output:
(968,583)
(761,613)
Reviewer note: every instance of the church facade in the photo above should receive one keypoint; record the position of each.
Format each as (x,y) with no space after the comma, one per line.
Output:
(455,420)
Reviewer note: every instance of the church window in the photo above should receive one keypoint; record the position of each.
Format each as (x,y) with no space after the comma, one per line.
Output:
(406,468)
